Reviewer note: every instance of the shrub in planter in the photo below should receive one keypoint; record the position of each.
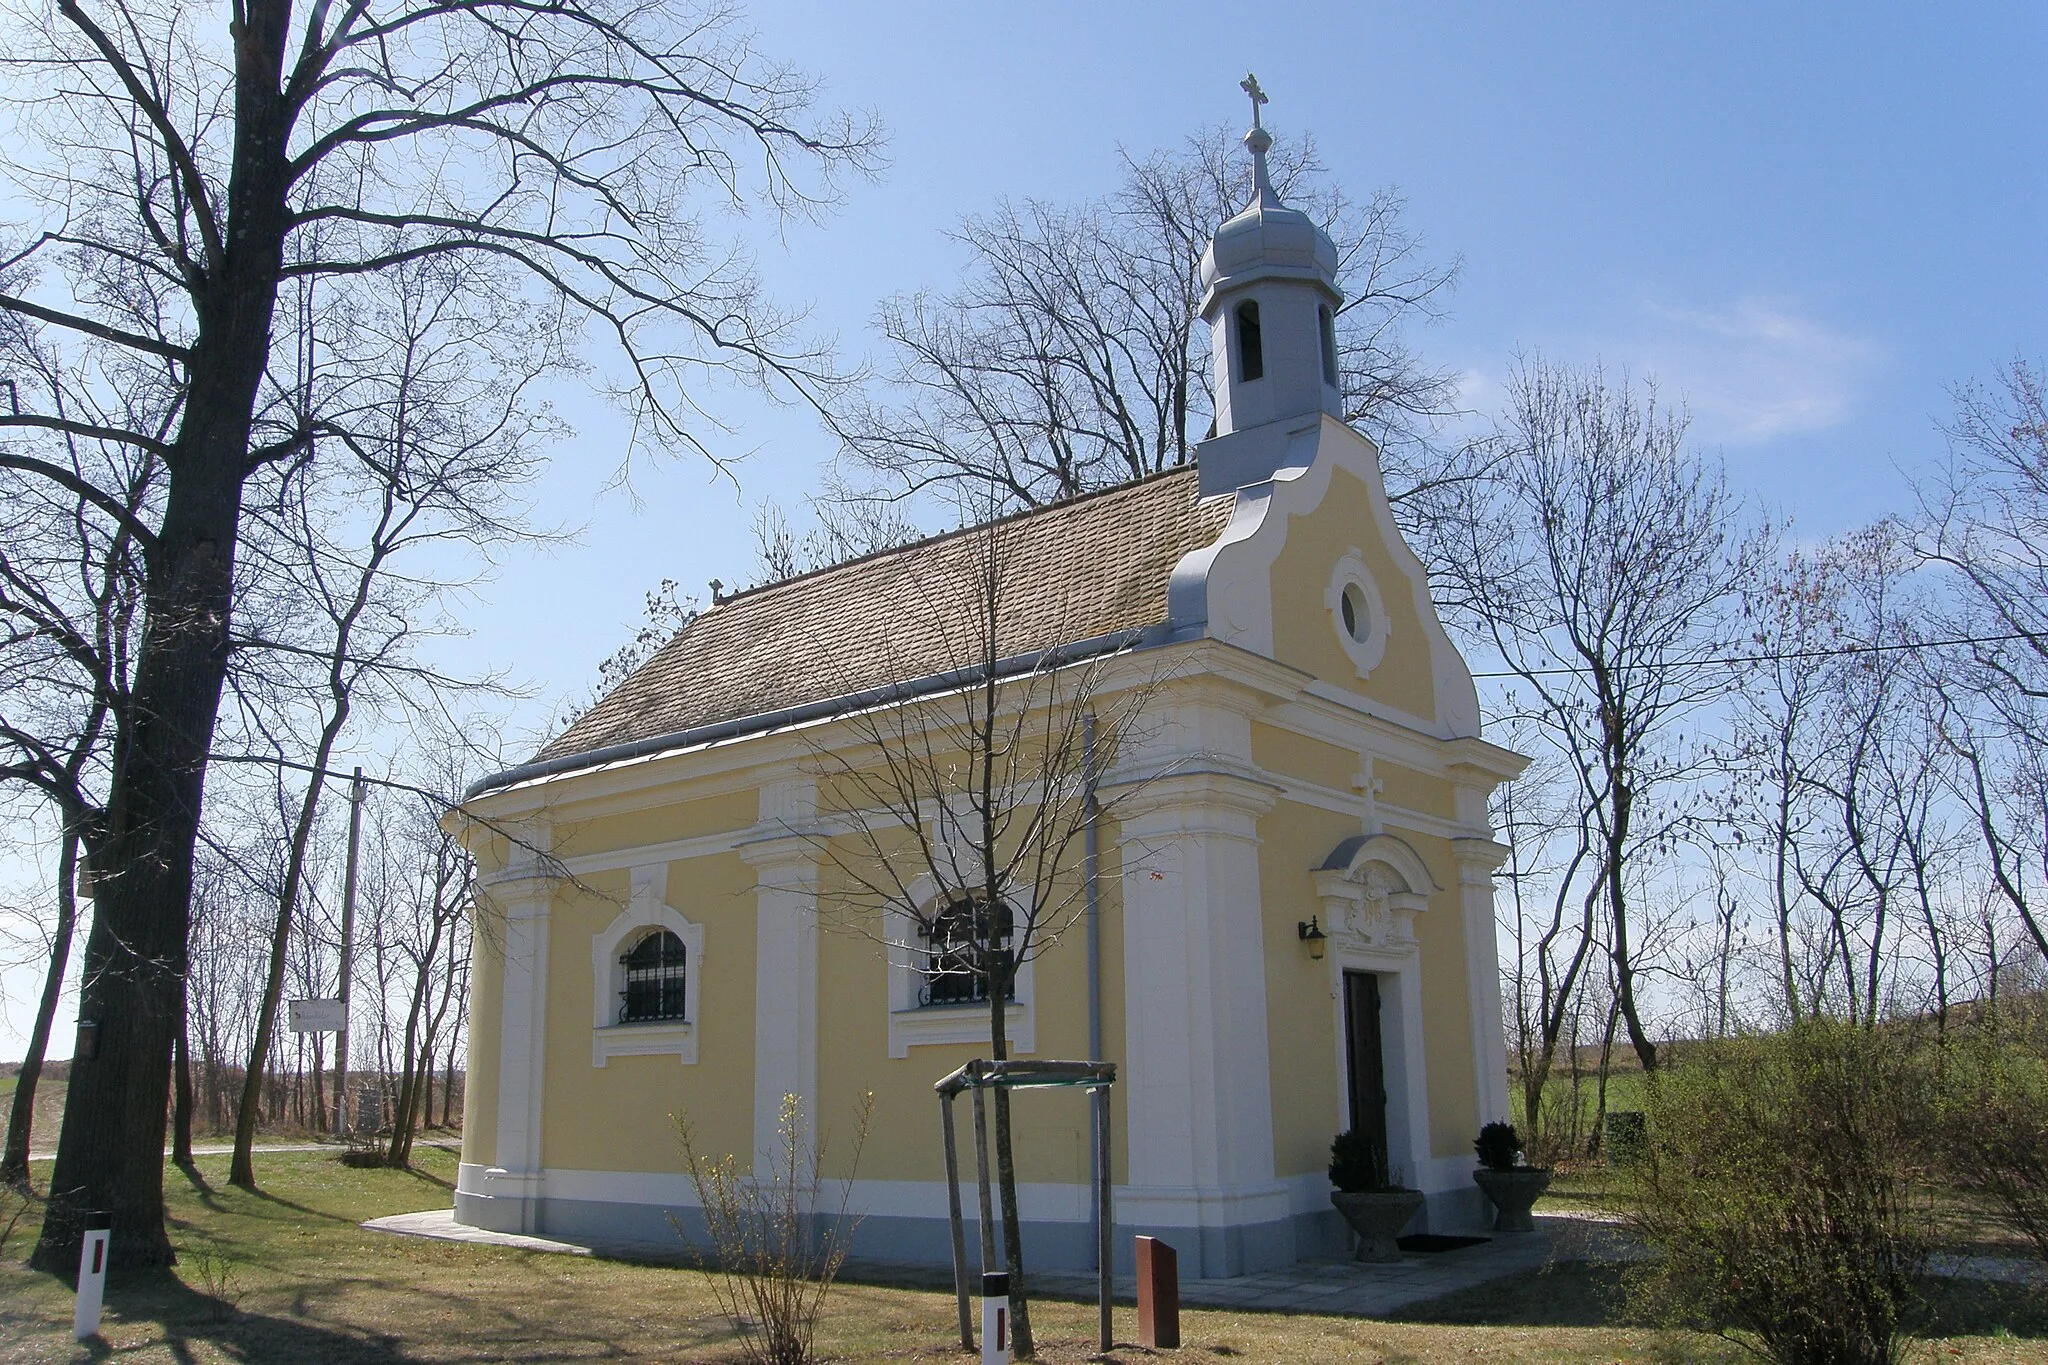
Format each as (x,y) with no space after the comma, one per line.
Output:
(1513,1187)
(1781,1192)
(1358,1162)
(1375,1207)
(1499,1147)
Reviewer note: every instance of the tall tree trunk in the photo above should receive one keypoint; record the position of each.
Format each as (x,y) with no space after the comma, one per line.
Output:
(181,1095)
(417,1057)
(242,1169)
(1006,1179)
(110,1152)
(21,1119)
(1617,906)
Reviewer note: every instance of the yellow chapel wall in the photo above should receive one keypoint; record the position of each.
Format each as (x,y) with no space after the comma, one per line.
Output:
(618,1117)
(1296,837)
(1304,634)
(1302,1032)
(1052,1130)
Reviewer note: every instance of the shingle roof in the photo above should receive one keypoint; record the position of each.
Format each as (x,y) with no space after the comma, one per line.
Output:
(1071,572)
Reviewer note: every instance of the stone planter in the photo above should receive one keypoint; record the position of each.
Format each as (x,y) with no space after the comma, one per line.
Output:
(1378,1217)
(1512,1193)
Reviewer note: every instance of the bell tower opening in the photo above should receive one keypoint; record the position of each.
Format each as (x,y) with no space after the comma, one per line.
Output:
(1251,350)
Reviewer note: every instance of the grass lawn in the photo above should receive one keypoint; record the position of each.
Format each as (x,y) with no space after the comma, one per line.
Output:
(295,1280)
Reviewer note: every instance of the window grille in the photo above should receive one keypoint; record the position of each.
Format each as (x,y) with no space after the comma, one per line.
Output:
(953,954)
(654,979)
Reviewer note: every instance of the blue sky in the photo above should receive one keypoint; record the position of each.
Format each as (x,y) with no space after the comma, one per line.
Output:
(1808,221)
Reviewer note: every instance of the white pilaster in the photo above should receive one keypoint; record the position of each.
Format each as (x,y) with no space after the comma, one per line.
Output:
(513,1183)
(1197,1098)
(783,853)
(1477,859)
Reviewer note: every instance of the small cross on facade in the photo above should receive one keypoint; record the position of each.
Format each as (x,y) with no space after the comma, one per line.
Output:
(1250,85)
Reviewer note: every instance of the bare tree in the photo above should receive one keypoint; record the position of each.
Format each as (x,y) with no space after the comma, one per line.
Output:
(1607,570)
(188,168)
(844,528)
(962,812)
(70,584)
(438,414)
(1849,740)
(1985,519)
(1780,701)
(421,927)
(1547,976)
(1070,357)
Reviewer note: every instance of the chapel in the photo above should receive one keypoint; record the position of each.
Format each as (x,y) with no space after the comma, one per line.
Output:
(1291,928)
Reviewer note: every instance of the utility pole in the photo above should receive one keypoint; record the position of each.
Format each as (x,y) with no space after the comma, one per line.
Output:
(357,792)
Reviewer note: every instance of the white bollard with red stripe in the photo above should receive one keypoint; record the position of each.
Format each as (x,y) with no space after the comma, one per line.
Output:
(92,1277)
(995,1318)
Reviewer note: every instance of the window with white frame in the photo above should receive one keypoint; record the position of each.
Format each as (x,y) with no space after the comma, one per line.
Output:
(647,974)
(1357,612)
(937,992)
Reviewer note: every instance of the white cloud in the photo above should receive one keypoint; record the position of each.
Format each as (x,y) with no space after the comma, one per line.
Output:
(1755,370)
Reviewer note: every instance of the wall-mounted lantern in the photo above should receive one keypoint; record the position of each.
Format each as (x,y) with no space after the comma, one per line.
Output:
(1312,934)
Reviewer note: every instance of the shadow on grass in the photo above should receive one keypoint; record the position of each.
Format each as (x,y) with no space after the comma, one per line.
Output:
(358,1320)
(1975,1308)
(1582,1294)
(1562,1294)
(428,1176)
(188,1319)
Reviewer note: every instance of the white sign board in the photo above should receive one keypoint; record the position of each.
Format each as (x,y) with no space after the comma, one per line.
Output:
(317,1016)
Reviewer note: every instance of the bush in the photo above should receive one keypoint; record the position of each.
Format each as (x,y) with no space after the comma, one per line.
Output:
(1994,1126)
(1499,1146)
(1358,1162)
(1780,1193)
(770,1258)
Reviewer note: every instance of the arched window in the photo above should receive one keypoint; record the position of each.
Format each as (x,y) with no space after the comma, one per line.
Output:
(1251,350)
(1329,322)
(953,966)
(655,968)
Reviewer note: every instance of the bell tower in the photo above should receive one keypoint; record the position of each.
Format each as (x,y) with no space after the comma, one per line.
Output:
(1270,297)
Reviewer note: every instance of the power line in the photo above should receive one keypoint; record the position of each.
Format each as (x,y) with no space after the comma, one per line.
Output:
(1836,652)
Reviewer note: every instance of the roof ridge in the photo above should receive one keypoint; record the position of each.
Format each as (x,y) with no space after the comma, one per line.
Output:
(1023,514)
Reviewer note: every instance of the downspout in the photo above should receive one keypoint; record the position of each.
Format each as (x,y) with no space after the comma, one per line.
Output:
(1091,890)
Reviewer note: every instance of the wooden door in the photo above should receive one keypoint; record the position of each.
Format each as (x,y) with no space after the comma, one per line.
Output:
(1365,1066)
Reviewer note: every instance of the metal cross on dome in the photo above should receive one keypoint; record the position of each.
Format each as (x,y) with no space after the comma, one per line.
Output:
(1250,85)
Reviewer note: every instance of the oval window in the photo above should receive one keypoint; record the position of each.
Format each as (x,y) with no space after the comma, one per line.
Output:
(1357,615)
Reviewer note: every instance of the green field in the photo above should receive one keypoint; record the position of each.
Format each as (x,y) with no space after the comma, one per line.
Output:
(49,1109)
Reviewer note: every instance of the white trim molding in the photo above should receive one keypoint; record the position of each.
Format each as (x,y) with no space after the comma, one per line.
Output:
(1478,860)
(524,896)
(782,848)
(647,910)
